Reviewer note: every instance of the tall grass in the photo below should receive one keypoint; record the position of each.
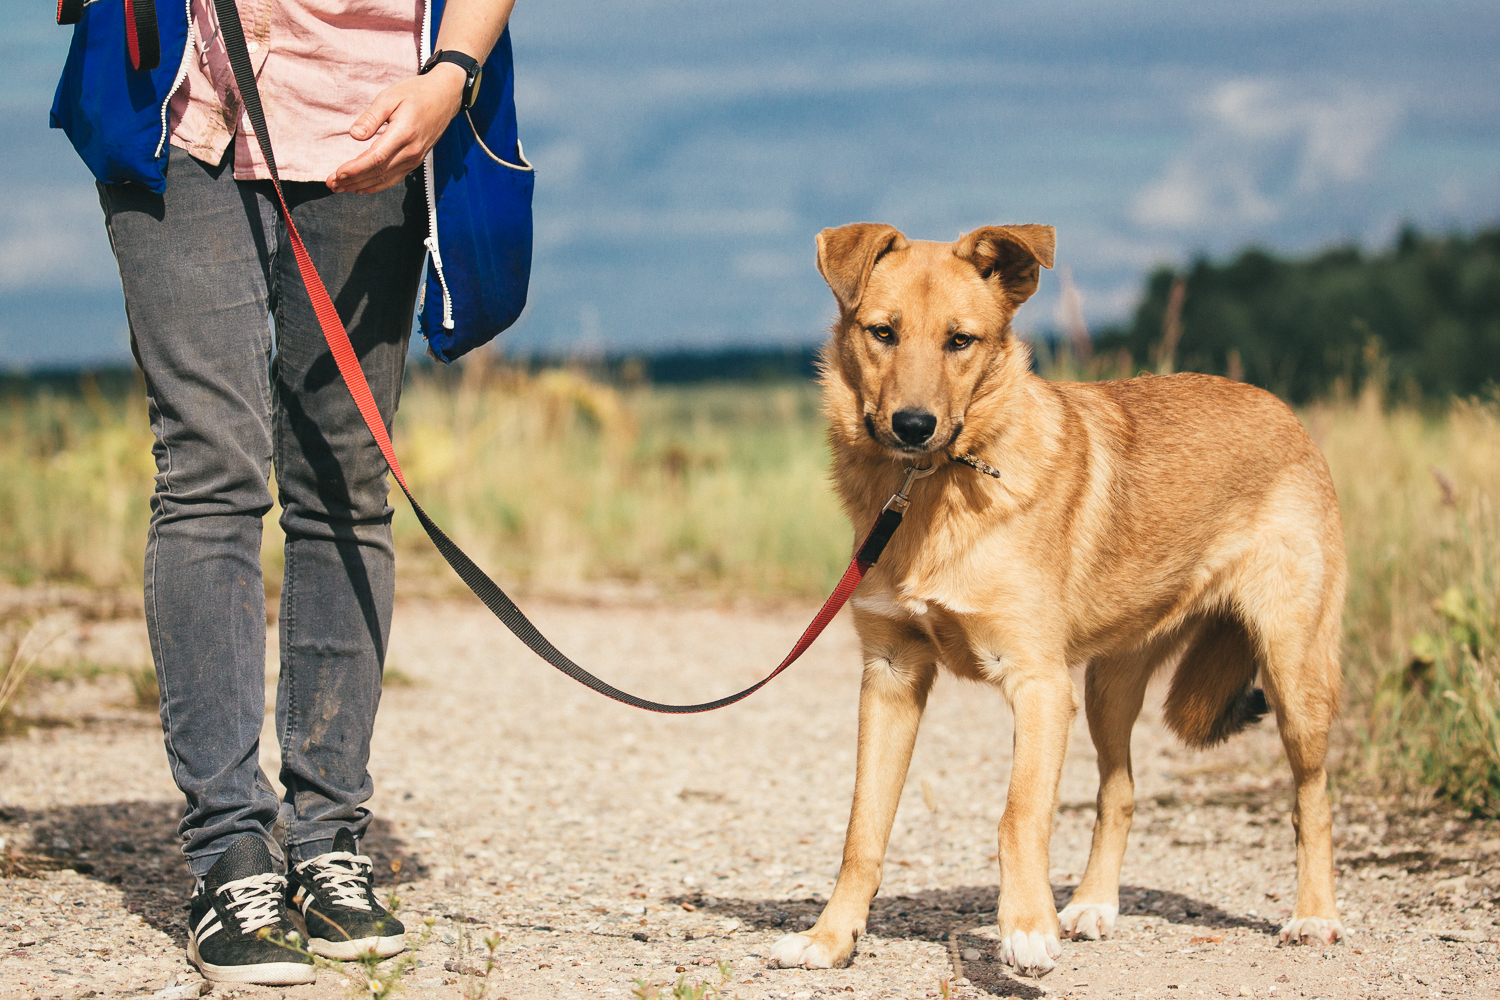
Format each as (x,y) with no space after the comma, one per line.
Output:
(75,474)
(1419,494)
(557,484)
(551,481)
(554,481)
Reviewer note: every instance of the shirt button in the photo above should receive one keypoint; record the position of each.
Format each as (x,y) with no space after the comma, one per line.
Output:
(252,46)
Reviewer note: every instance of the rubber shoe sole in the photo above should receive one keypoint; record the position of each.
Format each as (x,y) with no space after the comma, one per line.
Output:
(261,974)
(348,951)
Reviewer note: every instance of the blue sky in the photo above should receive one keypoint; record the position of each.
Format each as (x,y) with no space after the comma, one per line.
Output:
(687,151)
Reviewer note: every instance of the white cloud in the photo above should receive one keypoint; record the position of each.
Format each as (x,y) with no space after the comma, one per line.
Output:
(1264,145)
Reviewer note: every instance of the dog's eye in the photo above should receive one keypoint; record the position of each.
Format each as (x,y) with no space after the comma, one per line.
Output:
(959,341)
(882,333)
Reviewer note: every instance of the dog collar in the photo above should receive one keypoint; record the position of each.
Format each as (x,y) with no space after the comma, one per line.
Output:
(977,464)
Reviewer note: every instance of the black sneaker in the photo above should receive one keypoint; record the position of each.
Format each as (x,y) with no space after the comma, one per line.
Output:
(241,896)
(335,893)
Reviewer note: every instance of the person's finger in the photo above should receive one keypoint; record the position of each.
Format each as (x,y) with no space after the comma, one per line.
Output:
(410,127)
(378,159)
(376,115)
(373,182)
(386,181)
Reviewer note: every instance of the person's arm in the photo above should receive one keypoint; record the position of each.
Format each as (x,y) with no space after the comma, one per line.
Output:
(417,110)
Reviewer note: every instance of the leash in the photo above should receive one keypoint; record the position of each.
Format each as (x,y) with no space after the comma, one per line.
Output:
(477,580)
(142,40)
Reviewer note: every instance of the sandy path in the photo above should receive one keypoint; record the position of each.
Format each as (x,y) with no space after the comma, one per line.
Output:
(605,845)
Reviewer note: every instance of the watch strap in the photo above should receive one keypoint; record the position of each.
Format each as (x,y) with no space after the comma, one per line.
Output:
(463,61)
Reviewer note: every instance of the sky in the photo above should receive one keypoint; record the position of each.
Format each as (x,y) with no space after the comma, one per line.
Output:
(688,151)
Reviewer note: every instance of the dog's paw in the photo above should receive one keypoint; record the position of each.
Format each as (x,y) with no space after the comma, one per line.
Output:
(805,951)
(1088,920)
(1311,930)
(1030,954)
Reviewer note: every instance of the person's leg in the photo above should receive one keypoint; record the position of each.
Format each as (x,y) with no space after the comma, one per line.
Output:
(194,272)
(339,581)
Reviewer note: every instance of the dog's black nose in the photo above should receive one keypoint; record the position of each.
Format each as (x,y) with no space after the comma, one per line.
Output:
(913,427)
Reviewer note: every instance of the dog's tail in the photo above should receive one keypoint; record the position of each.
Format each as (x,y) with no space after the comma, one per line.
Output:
(1213,693)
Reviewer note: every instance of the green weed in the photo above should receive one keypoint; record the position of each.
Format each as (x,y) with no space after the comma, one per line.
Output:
(368,977)
(144,686)
(26,647)
(682,989)
(1441,713)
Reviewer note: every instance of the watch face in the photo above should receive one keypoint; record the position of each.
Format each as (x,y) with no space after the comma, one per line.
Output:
(474,87)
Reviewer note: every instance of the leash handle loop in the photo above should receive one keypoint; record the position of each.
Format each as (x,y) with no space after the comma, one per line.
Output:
(477,580)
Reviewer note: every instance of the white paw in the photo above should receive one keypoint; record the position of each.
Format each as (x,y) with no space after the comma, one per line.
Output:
(800,950)
(1030,954)
(1311,930)
(1088,920)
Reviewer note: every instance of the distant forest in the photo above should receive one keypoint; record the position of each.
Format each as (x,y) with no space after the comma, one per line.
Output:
(1423,316)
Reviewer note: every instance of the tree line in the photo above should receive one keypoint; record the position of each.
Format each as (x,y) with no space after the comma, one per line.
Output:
(1423,316)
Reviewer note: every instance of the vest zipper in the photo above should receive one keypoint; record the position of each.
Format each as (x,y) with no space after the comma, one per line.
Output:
(187,51)
(429,185)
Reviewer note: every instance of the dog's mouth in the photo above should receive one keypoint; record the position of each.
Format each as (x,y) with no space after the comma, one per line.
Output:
(891,442)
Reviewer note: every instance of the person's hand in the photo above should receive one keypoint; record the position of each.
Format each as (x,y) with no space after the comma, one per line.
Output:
(406,119)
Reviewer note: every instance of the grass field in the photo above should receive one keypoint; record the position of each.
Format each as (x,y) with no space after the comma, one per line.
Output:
(556,484)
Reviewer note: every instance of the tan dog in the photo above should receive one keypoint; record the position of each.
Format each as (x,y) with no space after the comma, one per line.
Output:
(1184,520)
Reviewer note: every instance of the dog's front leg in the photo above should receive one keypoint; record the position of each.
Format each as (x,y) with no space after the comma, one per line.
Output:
(892,696)
(1044,702)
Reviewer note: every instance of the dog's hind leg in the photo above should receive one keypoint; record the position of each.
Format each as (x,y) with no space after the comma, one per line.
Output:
(900,664)
(1303,691)
(1114,688)
(1293,604)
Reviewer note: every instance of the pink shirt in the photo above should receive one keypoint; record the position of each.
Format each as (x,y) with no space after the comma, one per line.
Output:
(318,64)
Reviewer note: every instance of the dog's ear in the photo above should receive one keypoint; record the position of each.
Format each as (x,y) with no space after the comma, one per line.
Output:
(1014,254)
(847,255)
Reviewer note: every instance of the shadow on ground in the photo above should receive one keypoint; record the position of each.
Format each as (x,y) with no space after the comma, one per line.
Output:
(134,846)
(950,916)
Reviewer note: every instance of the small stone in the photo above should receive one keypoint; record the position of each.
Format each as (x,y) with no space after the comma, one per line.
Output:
(971,954)
(187,991)
(1246,991)
(641,936)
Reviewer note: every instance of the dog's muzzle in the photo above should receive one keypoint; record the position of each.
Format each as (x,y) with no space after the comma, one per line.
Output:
(913,428)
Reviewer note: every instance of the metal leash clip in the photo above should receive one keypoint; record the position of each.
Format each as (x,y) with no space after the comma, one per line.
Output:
(902,498)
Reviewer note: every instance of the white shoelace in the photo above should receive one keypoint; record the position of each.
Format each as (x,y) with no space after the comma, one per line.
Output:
(255,901)
(346,883)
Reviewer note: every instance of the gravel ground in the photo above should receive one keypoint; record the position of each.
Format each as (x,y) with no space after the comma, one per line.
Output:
(604,845)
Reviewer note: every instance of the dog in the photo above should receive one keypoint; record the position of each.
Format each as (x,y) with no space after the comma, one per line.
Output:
(1182,521)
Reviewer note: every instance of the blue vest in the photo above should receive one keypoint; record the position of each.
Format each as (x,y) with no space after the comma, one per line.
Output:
(479,185)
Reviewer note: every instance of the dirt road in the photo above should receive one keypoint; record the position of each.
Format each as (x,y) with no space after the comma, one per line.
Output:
(606,846)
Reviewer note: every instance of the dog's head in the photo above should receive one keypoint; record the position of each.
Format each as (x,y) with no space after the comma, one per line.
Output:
(924,328)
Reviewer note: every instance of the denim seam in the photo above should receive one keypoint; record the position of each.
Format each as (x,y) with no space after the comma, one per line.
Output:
(288,635)
(166,692)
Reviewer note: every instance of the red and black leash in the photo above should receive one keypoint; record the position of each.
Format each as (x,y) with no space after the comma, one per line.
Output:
(142,40)
(478,581)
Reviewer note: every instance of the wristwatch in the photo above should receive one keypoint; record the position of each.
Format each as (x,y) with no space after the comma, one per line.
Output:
(472,72)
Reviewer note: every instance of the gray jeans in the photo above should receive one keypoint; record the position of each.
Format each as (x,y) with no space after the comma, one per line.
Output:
(203,267)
